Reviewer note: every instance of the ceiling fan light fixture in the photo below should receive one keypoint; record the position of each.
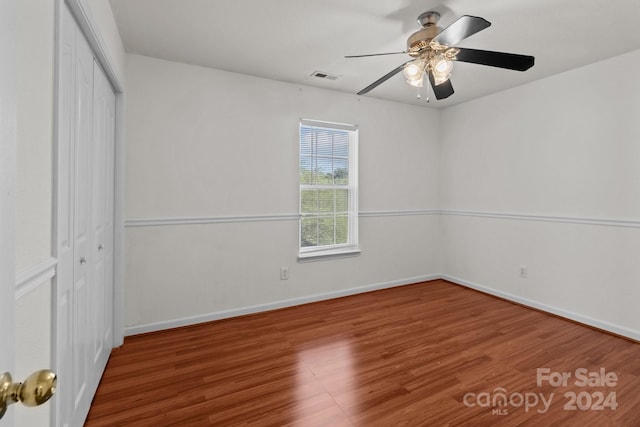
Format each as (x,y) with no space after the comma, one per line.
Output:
(414,69)
(414,72)
(441,68)
(417,82)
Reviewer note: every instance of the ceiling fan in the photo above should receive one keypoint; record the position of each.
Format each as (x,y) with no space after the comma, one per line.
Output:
(432,52)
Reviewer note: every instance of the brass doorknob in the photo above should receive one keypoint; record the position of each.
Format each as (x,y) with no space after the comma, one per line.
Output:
(34,391)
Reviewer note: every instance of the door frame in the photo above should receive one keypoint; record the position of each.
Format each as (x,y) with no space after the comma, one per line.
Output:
(90,28)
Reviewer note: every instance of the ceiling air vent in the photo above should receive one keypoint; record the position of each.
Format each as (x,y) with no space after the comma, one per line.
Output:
(326,76)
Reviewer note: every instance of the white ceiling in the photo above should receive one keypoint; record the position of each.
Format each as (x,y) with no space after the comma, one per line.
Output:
(287,40)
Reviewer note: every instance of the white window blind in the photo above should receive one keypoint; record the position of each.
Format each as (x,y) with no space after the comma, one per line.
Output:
(328,188)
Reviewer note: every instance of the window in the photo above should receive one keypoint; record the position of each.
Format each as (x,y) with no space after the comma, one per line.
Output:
(328,189)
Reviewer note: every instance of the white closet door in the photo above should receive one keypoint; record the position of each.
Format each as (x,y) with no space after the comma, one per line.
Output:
(83,305)
(102,219)
(84,225)
(63,351)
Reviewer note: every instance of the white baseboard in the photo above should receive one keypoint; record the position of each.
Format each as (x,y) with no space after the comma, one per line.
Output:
(586,320)
(208,317)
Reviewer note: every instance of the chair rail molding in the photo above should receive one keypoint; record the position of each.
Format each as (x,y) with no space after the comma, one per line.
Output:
(30,279)
(221,219)
(607,222)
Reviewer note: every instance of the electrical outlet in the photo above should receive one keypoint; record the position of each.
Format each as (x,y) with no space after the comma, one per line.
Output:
(284,273)
(523,271)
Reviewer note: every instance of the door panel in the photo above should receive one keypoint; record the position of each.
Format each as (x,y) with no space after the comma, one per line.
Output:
(82,290)
(98,195)
(102,221)
(63,357)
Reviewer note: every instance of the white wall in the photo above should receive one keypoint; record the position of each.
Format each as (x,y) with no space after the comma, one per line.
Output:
(564,147)
(213,144)
(35,63)
(35,130)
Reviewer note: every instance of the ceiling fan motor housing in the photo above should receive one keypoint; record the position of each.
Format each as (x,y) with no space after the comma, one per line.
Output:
(419,40)
(428,19)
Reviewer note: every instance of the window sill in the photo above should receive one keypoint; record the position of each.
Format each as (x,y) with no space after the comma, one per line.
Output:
(328,255)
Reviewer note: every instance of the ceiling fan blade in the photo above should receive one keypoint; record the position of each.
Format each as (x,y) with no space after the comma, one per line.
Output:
(374,54)
(462,28)
(510,61)
(383,79)
(443,90)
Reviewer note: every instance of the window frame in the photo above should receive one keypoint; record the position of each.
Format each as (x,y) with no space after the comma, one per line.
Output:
(352,245)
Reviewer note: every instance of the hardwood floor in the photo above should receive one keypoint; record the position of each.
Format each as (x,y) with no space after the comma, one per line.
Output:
(431,354)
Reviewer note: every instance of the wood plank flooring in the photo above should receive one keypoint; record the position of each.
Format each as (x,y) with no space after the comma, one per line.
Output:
(429,354)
